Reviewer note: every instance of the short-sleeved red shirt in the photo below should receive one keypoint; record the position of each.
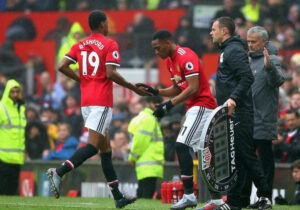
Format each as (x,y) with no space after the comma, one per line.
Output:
(93,54)
(185,63)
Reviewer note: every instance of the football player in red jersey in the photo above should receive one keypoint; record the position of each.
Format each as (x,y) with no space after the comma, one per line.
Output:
(190,86)
(98,59)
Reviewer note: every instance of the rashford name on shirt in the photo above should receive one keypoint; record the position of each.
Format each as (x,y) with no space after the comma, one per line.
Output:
(91,42)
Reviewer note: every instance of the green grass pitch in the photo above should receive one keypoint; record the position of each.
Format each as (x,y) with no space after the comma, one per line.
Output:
(66,203)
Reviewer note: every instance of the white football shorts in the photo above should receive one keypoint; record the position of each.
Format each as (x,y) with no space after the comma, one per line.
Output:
(97,118)
(192,127)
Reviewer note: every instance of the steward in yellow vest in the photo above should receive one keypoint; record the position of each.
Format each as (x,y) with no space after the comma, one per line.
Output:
(12,138)
(147,148)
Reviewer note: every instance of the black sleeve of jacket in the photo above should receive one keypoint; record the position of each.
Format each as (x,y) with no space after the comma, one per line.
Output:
(238,61)
(297,193)
(275,75)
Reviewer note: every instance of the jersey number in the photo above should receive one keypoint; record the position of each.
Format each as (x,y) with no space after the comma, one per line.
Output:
(92,60)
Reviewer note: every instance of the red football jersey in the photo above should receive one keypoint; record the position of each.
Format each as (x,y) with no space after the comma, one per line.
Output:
(93,54)
(185,63)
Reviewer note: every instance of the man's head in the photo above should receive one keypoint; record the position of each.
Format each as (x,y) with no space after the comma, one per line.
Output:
(152,101)
(222,29)
(15,94)
(291,118)
(98,22)
(296,170)
(257,38)
(162,44)
(295,100)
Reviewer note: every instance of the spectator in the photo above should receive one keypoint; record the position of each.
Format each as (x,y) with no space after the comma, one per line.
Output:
(37,5)
(252,11)
(139,32)
(46,119)
(12,143)
(290,40)
(65,145)
(268,24)
(296,178)
(72,115)
(117,120)
(184,34)
(173,4)
(231,10)
(287,147)
(61,30)
(49,95)
(277,10)
(120,146)
(11,65)
(169,139)
(36,140)
(295,101)
(294,16)
(75,34)
(147,148)
(296,79)
(21,29)
(15,5)
(32,114)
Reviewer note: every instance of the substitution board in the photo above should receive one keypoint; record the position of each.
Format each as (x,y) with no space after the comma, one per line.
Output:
(217,151)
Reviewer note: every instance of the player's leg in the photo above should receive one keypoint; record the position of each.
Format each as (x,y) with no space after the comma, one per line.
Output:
(94,117)
(246,156)
(190,135)
(187,141)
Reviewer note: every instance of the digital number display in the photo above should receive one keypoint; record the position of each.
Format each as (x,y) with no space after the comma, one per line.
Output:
(217,151)
(221,151)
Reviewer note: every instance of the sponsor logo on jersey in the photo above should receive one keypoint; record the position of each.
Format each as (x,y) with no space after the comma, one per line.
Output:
(181,51)
(115,54)
(177,78)
(189,66)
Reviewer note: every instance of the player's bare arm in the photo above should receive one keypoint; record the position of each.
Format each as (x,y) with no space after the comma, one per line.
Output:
(65,69)
(191,90)
(112,74)
(171,91)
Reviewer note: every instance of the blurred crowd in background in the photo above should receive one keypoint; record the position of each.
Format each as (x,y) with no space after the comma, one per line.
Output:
(59,102)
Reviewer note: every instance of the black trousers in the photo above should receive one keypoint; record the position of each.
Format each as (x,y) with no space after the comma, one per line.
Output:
(9,178)
(247,161)
(146,187)
(265,155)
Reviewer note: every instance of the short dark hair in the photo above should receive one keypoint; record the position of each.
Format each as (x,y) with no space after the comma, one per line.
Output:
(228,23)
(293,111)
(162,35)
(296,164)
(96,17)
(153,99)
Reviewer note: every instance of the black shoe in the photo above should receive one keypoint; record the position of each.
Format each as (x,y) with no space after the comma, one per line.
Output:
(234,207)
(253,206)
(264,204)
(124,202)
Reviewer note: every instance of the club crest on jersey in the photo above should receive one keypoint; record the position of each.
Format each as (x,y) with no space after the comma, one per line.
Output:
(177,78)
(115,54)
(189,66)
